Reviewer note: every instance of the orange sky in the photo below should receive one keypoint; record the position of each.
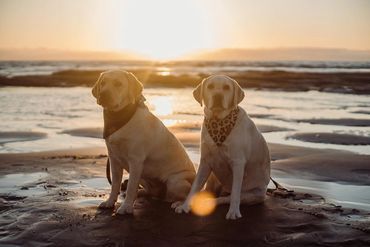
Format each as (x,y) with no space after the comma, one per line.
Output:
(171,28)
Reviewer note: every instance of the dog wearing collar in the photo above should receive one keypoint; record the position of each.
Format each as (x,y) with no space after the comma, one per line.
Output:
(234,155)
(138,142)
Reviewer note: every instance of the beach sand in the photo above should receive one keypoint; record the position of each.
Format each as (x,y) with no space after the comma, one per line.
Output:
(17,136)
(332,138)
(54,196)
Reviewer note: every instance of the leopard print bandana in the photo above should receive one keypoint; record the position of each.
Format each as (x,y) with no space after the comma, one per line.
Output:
(219,129)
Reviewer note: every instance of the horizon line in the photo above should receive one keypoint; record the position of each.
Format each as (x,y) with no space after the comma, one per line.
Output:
(35,54)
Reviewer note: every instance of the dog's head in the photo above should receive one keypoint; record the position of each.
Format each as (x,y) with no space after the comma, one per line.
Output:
(115,89)
(219,93)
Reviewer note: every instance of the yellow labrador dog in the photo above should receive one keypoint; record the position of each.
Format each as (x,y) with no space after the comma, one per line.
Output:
(234,154)
(138,142)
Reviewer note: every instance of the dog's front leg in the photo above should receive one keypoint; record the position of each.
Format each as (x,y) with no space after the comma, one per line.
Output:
(201,177)
(136,169)
(238,174)
(117,172)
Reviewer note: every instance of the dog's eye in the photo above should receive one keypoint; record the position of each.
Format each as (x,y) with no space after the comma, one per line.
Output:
(210,86)
(117,84)
(226,87)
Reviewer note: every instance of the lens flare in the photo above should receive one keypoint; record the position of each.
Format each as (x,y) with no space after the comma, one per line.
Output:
(203,203)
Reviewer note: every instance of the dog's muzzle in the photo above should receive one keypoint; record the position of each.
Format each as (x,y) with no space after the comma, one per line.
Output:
(103,99)
(217,101)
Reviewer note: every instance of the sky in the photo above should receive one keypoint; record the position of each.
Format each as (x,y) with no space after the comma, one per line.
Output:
(171,28)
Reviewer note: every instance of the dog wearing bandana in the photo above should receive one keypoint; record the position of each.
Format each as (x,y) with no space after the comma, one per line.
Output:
(235,160)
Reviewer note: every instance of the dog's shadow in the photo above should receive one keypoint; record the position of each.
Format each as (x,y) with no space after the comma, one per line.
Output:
(156,222)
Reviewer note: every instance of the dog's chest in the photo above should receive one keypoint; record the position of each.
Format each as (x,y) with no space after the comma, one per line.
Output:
(218,156)
(118,151)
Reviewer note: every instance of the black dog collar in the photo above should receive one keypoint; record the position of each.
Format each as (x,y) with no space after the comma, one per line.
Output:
(114,120)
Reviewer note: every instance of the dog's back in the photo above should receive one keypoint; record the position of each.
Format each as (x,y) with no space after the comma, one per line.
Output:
(146,134)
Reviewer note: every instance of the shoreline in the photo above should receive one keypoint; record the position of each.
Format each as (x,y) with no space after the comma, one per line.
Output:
(352,83)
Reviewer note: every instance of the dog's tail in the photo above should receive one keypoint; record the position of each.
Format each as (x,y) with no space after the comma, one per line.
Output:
(278,187)
(107,172)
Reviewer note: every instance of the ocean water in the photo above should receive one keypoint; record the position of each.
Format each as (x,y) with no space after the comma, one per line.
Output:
(17,68)
(54,110)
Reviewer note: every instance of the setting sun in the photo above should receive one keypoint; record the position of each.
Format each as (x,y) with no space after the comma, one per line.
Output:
(170,28)
(175,29)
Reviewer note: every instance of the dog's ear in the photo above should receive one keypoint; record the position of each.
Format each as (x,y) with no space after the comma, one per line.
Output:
(238,93)
(96,88)
(135,88)
(198,92)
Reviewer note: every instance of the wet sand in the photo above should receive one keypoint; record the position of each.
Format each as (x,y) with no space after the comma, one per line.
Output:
(362,112)
(356,83)
(300,162)
(332,138)
(97,132)
(321,164)
(85,132)
(18,136)
(54,197)
(341,121)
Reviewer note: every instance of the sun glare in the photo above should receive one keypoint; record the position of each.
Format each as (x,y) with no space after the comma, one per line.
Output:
(162,105)
(203,203)
(163,29)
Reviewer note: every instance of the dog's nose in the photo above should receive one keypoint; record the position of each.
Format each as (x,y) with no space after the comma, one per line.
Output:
(217,100)
(103,98)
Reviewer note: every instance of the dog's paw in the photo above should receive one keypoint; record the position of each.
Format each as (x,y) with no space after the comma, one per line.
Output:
(233,214)
(182,208)
(176,204)
(125,209)
(107,204)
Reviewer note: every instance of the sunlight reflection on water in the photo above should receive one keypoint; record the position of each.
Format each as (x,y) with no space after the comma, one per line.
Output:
(348,195)
(162,105)
(164,71)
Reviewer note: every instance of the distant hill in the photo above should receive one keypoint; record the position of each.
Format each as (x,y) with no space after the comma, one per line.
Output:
(313,54)
(55,54)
